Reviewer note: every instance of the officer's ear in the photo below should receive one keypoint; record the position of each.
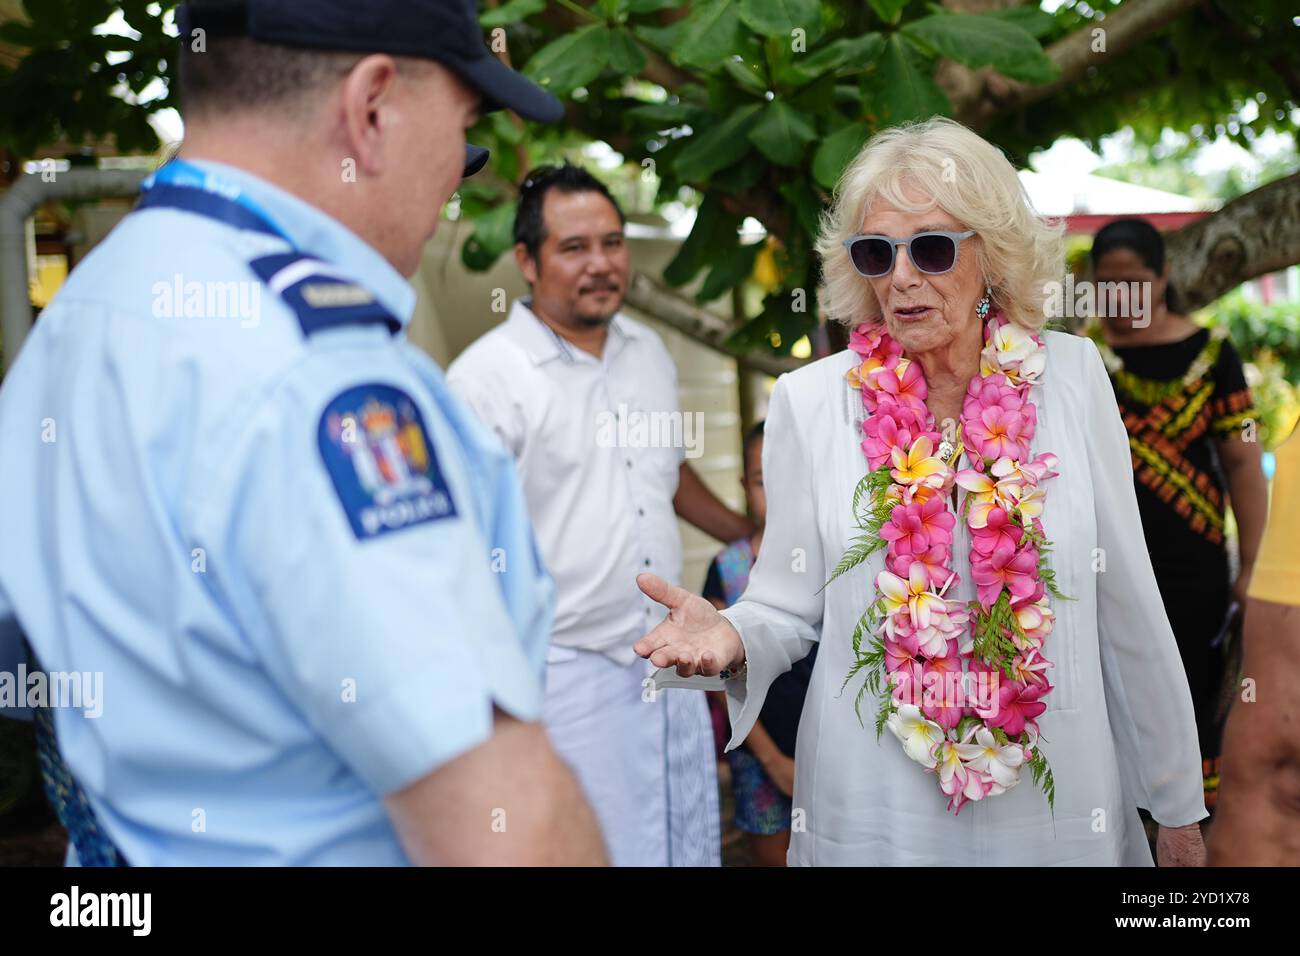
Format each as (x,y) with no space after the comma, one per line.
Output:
(367,110)
(529,267)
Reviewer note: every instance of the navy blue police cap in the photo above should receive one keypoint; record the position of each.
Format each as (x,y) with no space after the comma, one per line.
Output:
(443,30)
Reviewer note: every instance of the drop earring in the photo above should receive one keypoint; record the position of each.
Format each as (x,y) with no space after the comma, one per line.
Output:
(982,307)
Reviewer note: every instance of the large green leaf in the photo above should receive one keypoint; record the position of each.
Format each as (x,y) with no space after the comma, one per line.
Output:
(714,229)
(712,32)
(571,61)
(1031,19)
(782,132)
(716,147)
(731,270)
(493,235)
(779,18)
(907,92)
(888,10)
(646,6)
(744,74)
(511,12)
(664,115)
(985,41)
(625,56)
(858,52)
(805,202)
(835,152)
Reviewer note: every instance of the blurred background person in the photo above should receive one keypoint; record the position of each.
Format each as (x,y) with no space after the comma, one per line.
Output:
(1190,418)
(552,381)
(1258,820)
(762,768)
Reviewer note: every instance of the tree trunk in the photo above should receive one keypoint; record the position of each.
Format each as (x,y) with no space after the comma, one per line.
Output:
(1251,236)
(707,328)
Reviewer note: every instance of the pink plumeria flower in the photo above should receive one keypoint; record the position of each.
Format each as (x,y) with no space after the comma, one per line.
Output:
(999,432)
(934,559)
(903,384)
(943,698)
(916,527)
(1030,667)
(1016,707)
(1015,570)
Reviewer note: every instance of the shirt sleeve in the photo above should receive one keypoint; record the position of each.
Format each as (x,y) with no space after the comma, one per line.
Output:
(1147,698)
(1276,577)
(394,646)
(490,401)
(1231,401)
(779,616)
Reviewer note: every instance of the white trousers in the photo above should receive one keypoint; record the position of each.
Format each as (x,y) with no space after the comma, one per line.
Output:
(646,762)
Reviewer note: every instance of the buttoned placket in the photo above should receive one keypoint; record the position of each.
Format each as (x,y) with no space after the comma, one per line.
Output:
(633,472)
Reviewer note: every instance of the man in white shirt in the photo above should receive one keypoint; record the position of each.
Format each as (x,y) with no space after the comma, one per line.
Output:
(586,400)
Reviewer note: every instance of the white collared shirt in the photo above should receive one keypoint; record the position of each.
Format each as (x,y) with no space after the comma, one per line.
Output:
(591,439)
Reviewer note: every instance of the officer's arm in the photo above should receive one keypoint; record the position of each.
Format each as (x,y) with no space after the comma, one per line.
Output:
(509,802)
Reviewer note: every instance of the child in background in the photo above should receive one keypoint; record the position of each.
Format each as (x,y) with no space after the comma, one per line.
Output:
(762,769)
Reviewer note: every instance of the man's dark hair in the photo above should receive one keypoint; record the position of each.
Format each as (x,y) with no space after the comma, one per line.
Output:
(1143,240)
(530,229)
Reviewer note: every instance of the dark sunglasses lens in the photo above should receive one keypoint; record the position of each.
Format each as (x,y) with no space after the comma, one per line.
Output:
(872,257)
(932,253)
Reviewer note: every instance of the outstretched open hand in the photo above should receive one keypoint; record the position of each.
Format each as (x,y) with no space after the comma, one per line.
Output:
(694,637)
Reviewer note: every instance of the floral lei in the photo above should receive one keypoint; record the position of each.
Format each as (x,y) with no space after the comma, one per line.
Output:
(959,686)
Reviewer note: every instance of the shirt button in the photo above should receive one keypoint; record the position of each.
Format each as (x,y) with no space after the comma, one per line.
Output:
(629,462)
(641,512)
(647,562)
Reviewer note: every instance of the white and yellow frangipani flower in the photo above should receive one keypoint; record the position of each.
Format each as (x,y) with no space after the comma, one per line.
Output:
(985,494)
(1035,621)
(986,755)
(919,465)
(918,735)
(924,607)
(1030,503)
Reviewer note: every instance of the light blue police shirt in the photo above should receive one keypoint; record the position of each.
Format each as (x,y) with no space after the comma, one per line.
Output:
(213,511)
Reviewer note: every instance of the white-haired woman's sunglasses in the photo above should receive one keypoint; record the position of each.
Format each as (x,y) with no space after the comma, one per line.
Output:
(932,252)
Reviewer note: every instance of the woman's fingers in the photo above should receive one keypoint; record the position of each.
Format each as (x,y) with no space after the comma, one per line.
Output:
(656,588)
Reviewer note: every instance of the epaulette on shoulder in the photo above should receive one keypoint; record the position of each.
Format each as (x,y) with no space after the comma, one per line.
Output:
(320,295)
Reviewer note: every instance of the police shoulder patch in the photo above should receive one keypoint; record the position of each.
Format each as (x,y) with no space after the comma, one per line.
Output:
(381,460)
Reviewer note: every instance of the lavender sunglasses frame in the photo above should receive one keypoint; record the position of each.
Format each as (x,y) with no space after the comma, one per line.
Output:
(895,241)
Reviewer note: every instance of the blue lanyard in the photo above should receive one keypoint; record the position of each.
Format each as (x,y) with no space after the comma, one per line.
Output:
(182,185)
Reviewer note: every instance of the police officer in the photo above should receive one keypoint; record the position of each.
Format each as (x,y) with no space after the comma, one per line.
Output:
(235,496)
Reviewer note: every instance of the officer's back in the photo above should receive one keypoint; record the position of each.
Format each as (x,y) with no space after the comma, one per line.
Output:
(234,491)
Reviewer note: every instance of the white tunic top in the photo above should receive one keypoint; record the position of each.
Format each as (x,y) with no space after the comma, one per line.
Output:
(1119,730)
(599,459)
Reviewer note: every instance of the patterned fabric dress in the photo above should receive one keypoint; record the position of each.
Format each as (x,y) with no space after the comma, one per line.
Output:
(1177,399)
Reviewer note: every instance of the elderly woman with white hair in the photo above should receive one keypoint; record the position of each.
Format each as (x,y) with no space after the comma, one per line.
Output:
(952,519)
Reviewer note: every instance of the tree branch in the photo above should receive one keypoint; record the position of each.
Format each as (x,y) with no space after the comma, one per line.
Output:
(701,325)
(978,104)
(1251,236)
